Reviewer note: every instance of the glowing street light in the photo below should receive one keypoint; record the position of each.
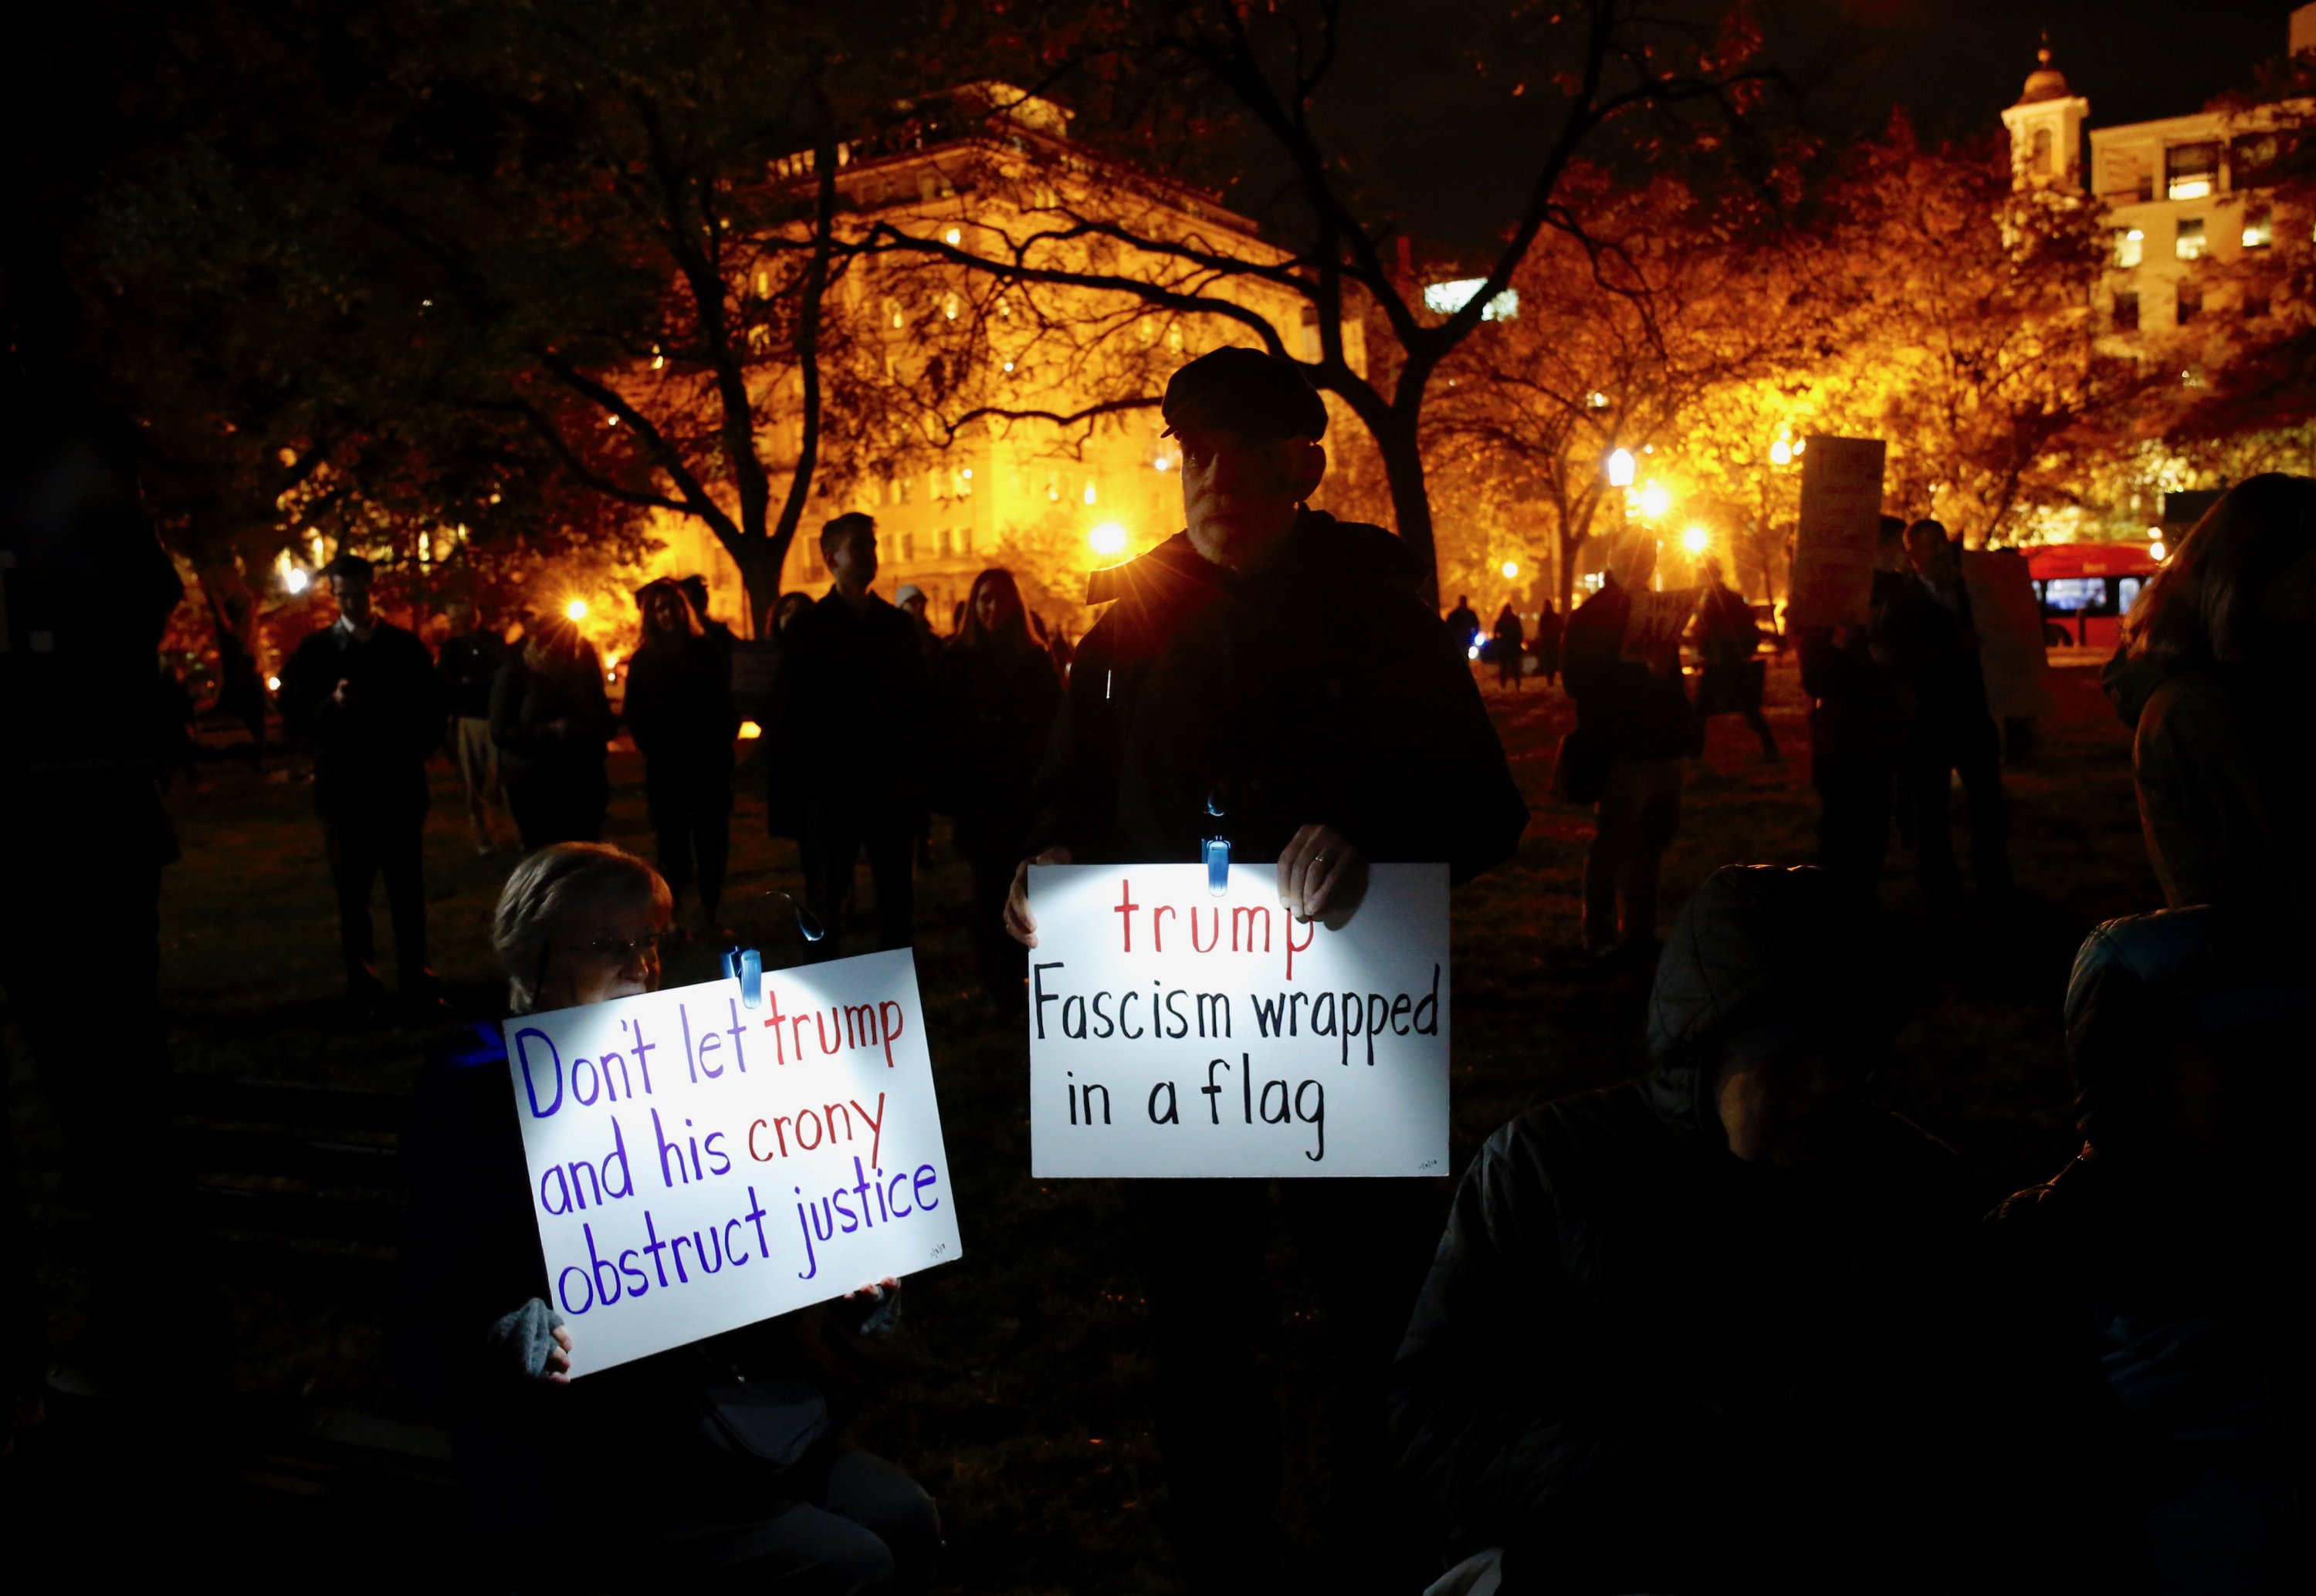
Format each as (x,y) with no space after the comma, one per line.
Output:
(1108,539)
(1655,501)
(295,580)
(1620,468)
(576,609)
(2155,551)
(1781,453)
(1512,568)
(1695,540)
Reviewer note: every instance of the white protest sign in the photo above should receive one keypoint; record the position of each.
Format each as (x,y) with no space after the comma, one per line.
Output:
(1176,1033)
(697,1164)
(1841,524)
(2008,619)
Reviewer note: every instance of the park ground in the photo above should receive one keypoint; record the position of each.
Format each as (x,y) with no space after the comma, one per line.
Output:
(1020,1389)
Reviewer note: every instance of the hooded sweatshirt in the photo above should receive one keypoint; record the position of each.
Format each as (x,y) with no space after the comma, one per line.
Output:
(1641,1363)
(2222,773)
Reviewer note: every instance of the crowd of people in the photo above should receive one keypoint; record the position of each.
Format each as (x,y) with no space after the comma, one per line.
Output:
(1729,1324)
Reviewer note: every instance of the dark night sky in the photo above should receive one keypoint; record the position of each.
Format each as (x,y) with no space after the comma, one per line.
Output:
(1955,63)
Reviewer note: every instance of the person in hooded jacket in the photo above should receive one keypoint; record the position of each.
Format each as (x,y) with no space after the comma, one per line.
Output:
(2168,1262)
(995,693)
(2209,679)
(1707,1330)
(679,710)
(550,720)
(1272,675)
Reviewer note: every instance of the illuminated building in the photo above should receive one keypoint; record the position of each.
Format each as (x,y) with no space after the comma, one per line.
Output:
(980,168)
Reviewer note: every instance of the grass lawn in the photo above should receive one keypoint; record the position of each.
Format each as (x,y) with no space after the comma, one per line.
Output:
(1019,1391)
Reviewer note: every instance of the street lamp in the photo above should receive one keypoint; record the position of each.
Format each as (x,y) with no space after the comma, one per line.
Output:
(1655,501)
(1781,453)
(576,609)
(1108,539)
(1694,540)
(1620,468)
(1512,568)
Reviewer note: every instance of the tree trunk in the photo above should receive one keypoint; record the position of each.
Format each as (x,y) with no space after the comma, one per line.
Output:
(1411,499)
(759,579)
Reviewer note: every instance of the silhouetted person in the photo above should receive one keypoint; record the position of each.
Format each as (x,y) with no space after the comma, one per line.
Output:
(1712,1329)
(995,695)
(1275,676)
(1729,679)
(694,590)
(1464,624)
(1858,733)
(912,602)
(1549,628)
(550,720)
(2168,1260)
(679,710)
(364,693)
(1933,642)
(85,591)
(1511,647)
(468,664)
(850,726)
(2211,678)
(750,1483)
(1633,716)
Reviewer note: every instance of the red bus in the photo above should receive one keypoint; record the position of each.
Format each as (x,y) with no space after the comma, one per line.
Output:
(2086,588)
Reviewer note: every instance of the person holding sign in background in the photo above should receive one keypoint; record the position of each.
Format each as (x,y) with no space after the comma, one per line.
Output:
(1934,640)
(1272,677)
(727,1450)
(1633,721)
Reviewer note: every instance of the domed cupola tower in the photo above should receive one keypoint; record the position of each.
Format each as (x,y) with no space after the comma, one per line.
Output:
(2047,130)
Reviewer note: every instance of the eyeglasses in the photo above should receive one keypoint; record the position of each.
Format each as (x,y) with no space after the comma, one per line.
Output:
(616,947)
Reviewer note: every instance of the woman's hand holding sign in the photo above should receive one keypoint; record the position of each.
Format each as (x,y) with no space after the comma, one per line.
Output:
(1323,876)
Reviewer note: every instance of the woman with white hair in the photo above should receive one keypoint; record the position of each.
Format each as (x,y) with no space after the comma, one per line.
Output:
(729,1450)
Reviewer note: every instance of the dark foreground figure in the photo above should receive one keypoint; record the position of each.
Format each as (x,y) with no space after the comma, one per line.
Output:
(1271,676)
(1715,1329)
(83,841)
(2169,1262)
(744,1472)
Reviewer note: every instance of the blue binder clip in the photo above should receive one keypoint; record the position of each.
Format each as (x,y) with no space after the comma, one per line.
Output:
(1217,853)
(748,965)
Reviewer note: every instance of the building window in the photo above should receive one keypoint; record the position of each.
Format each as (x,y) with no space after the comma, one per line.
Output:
(2191,171)
(944,548)
(2191,303)
(2127,311)
(2254,157)
(893,316)
(965,540)
(2130,245)
(908,541)
(2039,156)
(2189,245)
(907,486)
(2259,228)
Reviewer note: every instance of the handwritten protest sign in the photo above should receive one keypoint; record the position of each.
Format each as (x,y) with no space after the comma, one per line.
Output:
(1841,523)
(697,1164)
(1176,1033)
(1654,628)
(2008,619)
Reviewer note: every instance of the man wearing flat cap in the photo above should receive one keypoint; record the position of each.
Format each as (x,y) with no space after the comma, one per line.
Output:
(1271,675)
(364,693)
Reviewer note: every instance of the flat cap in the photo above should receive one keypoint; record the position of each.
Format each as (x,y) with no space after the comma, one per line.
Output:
(1244,391)
(350,568)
